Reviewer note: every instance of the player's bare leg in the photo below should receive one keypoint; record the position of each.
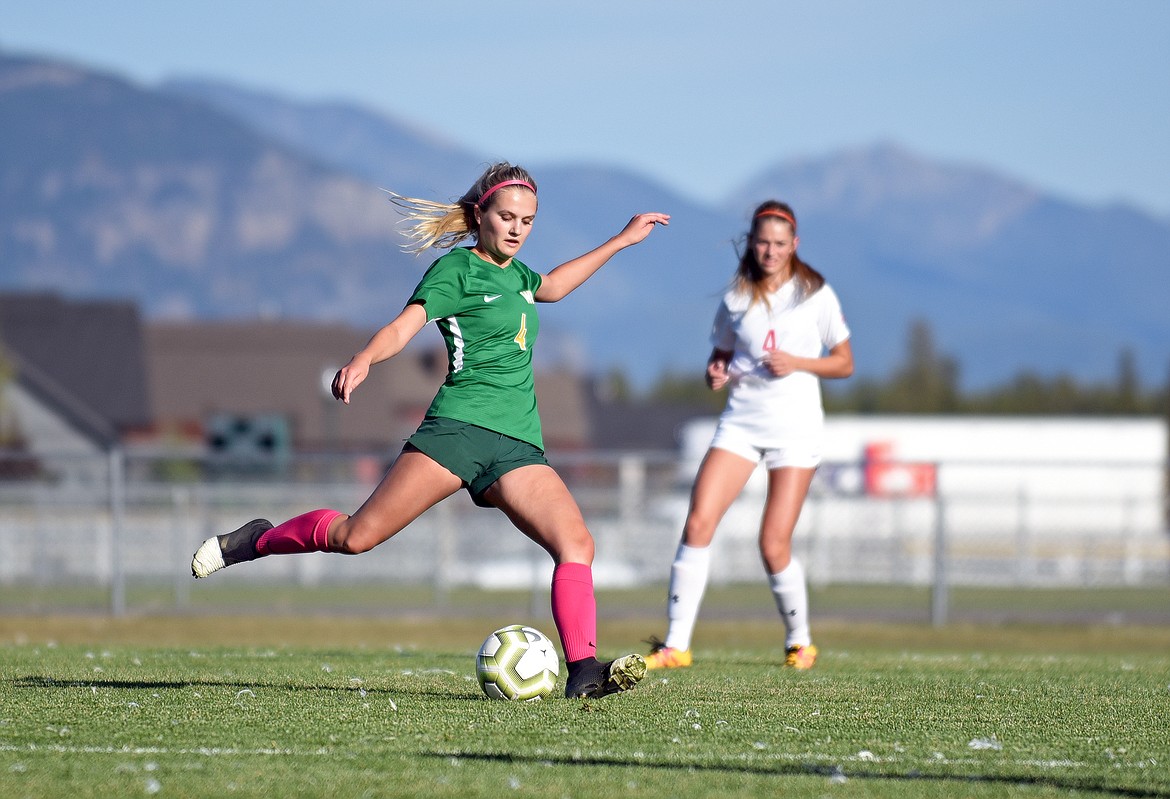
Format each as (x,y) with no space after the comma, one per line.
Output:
(537,501)
(413,484)
(721,478)
(787,490)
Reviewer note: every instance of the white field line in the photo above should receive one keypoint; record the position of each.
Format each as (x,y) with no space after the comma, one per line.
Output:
(205,751)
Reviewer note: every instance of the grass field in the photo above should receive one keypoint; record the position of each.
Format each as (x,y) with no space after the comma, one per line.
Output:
(213,706)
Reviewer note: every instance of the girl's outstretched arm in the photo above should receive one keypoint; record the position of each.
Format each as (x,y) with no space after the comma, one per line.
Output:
(563,279)
(386,343)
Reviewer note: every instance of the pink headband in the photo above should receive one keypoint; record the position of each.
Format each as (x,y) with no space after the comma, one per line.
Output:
(501,185)
(777,212)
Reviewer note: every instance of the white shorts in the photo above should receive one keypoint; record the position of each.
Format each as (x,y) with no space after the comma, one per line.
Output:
(800,452)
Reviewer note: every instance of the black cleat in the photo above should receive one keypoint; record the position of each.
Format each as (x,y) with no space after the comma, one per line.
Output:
(595,680)
(224,550)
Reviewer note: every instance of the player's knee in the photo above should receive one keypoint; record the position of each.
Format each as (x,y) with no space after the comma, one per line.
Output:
(354,547)
(575,548)
(349,539)
(699,530)
(584,548)
(776,554)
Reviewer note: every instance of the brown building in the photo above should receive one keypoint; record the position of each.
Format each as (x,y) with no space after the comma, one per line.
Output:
(280,369)
(85,375)
(264,369)
(72,374)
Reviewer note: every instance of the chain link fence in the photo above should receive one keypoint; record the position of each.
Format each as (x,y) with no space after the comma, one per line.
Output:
(116,533)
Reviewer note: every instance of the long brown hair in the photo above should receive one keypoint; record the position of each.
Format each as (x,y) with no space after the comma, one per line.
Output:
(443,225)
(748,275)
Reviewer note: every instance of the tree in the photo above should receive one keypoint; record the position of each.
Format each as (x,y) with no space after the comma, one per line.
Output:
(673,388)
(928,381)
(1128,388)
(9,434)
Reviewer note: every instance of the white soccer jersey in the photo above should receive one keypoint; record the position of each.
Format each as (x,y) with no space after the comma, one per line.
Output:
(776,410)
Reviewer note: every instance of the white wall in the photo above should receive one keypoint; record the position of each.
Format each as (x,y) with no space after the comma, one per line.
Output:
(1055,455)
(44,432)
(1049,475)
(1050,456)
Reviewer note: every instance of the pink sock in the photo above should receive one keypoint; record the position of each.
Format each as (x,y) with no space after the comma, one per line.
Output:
(308,532)
(574,610)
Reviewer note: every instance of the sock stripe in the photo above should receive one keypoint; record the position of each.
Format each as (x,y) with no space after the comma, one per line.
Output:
(321,541)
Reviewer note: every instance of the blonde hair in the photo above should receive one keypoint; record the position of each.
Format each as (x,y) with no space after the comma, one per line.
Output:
(443,225)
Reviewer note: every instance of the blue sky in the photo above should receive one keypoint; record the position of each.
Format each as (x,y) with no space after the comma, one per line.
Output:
(1071,97)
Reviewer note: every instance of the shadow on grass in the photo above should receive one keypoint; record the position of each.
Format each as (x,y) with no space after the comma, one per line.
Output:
(810,769)
(138,685)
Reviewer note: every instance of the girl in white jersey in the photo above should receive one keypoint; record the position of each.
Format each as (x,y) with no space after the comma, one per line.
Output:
(778,331)
(482,431)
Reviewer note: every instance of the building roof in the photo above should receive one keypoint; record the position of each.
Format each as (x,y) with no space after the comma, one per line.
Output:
(82,358)
(624,426)
(199,369)
(109,375)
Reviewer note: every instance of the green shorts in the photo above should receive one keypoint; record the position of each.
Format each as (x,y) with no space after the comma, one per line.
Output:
(476,455)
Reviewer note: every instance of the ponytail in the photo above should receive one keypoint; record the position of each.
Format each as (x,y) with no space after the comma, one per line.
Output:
(443,225)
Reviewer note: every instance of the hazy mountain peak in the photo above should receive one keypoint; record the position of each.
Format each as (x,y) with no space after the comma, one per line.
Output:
(377,147)
(938,204)
(206,201)
(18,73)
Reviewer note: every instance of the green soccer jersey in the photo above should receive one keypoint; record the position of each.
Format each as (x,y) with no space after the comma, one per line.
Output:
(488,319)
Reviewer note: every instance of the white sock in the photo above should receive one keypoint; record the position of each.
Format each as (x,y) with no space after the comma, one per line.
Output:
(688,581)
(791,593)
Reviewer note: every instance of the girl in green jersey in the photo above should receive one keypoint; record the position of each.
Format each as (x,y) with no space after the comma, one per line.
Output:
(482,431)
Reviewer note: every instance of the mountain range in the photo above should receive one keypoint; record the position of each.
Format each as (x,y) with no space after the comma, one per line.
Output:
(204,200)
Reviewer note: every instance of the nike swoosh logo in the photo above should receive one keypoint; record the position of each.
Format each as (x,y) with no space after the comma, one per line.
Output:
(491,297)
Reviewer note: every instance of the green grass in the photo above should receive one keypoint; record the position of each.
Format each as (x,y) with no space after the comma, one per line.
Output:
(1140,605)
(205,706)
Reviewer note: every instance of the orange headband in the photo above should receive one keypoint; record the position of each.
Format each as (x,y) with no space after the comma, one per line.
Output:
(501,185)
(777,212)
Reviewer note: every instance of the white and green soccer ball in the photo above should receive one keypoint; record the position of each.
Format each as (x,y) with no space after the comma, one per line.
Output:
(518,663)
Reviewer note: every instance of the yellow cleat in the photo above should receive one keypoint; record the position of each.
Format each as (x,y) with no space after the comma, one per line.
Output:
(667,657)
(801,657)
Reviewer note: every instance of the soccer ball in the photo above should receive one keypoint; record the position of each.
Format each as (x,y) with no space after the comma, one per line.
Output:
(518,663)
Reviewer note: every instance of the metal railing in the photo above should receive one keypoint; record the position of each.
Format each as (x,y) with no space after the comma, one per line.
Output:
(102,529)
